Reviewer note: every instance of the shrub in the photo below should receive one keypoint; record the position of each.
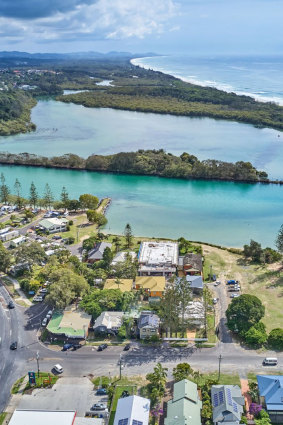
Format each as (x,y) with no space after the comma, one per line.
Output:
(275,339)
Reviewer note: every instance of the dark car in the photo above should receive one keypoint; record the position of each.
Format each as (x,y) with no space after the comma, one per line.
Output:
(98,406)
(102,347)
(76,347)
(67,347)
(14,345)
(101,391)
(127,347)
(11,304)
(214,277)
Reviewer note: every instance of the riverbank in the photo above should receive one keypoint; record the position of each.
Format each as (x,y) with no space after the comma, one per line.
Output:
(155,163)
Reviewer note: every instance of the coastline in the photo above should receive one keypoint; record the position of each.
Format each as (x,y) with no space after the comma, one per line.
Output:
(217,85)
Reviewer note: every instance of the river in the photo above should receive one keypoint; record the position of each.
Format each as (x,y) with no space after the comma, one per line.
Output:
(218,212)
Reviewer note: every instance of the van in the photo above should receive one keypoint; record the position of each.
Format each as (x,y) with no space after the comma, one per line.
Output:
(270,361)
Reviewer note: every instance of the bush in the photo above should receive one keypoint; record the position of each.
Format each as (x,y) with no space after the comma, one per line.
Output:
(71,222)
(275,339)
(256,336)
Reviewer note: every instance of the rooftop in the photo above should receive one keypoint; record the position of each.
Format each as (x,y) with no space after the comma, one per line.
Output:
(152,283)
(120,257)
(227,402)
(50,222)
(110,319)
(43,417)
(271,388)
(132,410)
(97,252)
(158,253)
(125,285)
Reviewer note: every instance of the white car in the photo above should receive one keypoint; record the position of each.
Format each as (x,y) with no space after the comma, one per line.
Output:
(214,300)
(38,298)
(44,322)
(58,368)
(217,283)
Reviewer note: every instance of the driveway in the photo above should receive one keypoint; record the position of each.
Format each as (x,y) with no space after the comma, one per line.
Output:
(67,394)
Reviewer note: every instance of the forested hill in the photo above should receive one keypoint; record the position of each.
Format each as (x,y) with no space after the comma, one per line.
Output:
(15,107)
(146,162)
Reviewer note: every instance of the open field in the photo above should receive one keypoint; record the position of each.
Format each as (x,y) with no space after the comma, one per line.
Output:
(264,281)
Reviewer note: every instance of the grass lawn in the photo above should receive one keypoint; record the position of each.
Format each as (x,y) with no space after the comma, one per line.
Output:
(40,380)
(264,281)
(2,417)
(132,389)
(252,376)
(16,386)
(225,379)
(10,286)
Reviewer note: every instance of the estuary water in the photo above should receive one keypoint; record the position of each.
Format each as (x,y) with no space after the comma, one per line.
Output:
(218,212)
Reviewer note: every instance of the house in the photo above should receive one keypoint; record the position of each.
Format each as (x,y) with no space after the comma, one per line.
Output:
(5,230)
(108,321)
(271,395)
(54,417)
(195,313)
(9,235)
(132,410)
(227,404)
(196,284)
(158,258)
(125,285)
(19,268)
(148,324)
(70,323)
(191,264)
(96,254)
(154,286)
(120,257)
(18,241)
(53,225)
(185,406)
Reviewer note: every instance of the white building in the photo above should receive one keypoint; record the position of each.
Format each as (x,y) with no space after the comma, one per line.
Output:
(158,258)
(53,225)
(54,417)
(5,230)
(9,235)
(108,321)
(133,410)
(18,241)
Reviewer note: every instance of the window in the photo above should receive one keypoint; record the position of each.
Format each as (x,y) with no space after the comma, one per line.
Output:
(136,422)
(123,421)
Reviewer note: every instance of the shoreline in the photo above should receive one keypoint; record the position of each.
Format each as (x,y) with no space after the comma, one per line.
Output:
(219,86)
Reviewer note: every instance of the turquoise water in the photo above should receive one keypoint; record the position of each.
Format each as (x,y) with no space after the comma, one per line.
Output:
(63,128)
(218,212)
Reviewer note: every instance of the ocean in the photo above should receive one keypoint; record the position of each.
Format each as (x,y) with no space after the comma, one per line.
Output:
(258,76)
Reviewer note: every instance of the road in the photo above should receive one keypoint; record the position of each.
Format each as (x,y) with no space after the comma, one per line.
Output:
(21,324)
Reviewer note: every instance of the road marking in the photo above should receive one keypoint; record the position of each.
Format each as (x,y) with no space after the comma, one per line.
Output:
(10,332)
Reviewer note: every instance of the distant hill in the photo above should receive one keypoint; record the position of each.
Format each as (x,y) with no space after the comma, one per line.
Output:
(75,55)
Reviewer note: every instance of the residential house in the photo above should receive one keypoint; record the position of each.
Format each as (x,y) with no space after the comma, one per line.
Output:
(148,324)
(96,254)
(154,286)
(19,268)
(125,285)
(158,258)
(121,256)
(195,313)
(18,241)
(196,284)
(185,406)
(227,404)
(132,410)
(7,236)
(271,396)
(191,264)
(108,322)
(53,225)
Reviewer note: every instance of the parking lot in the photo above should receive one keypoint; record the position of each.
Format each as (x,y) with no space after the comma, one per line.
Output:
(67,394)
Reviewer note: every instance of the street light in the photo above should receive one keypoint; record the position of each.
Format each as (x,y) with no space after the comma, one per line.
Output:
(219,359)
(37,360)
(120,366)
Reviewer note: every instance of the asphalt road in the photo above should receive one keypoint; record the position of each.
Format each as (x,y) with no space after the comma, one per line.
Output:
(21,325)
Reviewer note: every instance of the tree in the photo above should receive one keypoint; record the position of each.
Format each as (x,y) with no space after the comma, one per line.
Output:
(33,195)
(125,269)
(64,197)
(275,339)
(157,381)
(48,196)
(32,253)
(279,240)
(168,310)
(207,302)
(5,258)
(182,371)
(256,336)
(244,312)
(184,296)
(254,251)
(98,300)
(73,205)
(128,235)
(107,257)
(88,202)
(89,243)
(4,190)
(95,217)
(18,188)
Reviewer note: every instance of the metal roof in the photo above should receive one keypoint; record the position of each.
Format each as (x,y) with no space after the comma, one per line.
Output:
(43,417)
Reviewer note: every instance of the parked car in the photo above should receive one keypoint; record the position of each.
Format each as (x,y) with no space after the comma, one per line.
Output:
(49,314)
(14,345)
(232,282)
(58,368)
(214,277)
(127,347)
(98,406)
(44,322)
(11,304)
(101,391)
(76,347)
(56,237)
(102,347)
(43,291)
(234,295)
(214,300)
(67,347)
(217,283)
(38,298)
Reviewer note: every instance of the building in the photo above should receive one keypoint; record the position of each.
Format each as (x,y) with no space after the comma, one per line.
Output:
(196,284)
(227,404)
(132,410)
(70,323)
(148,324)
(191,264)
(195,313)
(5,230)
(108,322)
(185,406)
(154,286)
(271,396)
(125,285)
(9,235)
(18,241)
(120,257)
(54,417)
(158,258)
(53,225)
(96,254)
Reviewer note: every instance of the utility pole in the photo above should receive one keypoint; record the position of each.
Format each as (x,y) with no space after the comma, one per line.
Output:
(219,367)
(120,366)
(210,271)
(37,360)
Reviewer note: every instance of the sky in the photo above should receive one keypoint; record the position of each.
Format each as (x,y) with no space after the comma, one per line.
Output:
(160,26)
